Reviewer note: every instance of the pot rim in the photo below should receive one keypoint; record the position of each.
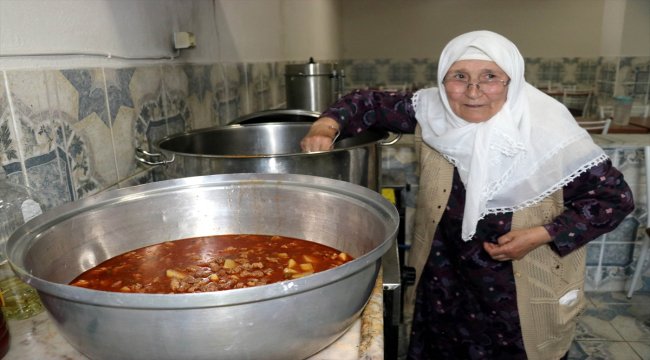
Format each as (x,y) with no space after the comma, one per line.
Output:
(263,113)
(376,138)
(25,236)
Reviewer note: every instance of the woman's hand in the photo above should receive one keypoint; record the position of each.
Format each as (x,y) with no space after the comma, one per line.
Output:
(321,135)
(517,243)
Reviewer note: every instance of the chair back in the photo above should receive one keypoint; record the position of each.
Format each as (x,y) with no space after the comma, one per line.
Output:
(578,101)
(596,126)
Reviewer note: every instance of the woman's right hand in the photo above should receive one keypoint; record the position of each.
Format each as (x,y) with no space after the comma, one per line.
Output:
(321,135)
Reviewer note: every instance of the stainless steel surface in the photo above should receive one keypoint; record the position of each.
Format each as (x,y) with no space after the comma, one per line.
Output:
(277,116)
(269,148)
(312,86)
(287,320)
(392,281)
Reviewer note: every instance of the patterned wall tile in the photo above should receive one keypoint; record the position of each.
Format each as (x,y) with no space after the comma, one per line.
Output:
(10,155)
(258,89)
(426,73)
(551,71)
(88,138)
(634,73)
(278,85)
(606,80)
(236,91)
(586,71)
(220,101)
(175,89)
(382,70)
(240,87)
(199,97)
(123,119)
(117,90)
(90,91)
(360,74)
(40,128)
(146,91)
(400,74)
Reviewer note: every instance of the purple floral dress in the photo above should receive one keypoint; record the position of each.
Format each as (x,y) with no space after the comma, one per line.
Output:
(466,304)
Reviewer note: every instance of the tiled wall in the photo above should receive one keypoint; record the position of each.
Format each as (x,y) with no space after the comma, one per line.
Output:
(608,77)
(68,134)
(71,133)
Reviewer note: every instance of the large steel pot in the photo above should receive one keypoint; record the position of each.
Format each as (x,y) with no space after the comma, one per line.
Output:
(268,148)
(312,86)
(287,320)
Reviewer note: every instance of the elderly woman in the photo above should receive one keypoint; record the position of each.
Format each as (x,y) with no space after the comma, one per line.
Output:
(511,189)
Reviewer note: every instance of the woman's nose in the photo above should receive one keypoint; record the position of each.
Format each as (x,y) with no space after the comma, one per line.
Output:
(473,90)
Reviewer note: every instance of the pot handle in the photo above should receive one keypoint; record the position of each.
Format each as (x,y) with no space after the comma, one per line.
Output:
(393,141)
(141,154)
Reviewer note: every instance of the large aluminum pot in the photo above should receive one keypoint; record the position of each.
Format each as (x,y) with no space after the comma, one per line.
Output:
(268,148)
(288,320)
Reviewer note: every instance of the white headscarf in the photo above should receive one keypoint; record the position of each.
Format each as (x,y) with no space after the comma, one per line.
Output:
(528,150)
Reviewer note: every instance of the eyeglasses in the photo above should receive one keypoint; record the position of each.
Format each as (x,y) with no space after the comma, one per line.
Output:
(489,84)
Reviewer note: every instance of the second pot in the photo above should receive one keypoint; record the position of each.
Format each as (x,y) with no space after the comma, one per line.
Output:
(267,148)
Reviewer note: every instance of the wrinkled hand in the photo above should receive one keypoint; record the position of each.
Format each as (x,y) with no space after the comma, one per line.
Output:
(321,135)
(517,243)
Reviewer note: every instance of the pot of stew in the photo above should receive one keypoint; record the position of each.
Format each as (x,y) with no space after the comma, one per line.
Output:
(268,148)
(290,318)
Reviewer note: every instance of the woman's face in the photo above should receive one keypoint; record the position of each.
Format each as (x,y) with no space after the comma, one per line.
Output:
(471,102)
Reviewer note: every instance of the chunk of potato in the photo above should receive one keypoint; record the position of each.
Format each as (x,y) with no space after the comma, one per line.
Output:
(174,274)
(229,264)
(307,267)
(288,271)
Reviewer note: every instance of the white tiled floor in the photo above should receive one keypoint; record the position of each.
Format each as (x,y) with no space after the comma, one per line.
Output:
(612,327)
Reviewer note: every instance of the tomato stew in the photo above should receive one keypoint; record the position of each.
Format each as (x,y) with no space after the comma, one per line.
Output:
(211,263)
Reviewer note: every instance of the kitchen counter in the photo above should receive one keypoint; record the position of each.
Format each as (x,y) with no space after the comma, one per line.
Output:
(39,338)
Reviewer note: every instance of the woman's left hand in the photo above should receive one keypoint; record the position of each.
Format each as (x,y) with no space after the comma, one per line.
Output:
(517,243)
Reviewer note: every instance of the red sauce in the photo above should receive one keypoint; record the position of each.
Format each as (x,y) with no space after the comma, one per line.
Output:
(211,263)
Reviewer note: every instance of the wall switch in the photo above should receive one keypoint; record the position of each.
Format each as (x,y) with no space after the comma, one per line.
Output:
(184,40)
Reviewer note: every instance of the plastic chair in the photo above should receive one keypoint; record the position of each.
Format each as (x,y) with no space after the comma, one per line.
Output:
(596,126)
(643,255)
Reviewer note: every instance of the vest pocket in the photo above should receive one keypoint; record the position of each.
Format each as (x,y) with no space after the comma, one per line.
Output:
(557,318)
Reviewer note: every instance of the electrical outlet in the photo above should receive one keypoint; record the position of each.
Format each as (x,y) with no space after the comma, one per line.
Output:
(184,40)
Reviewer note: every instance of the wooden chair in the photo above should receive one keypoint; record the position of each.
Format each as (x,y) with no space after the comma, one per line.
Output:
(577,101)
(600,126)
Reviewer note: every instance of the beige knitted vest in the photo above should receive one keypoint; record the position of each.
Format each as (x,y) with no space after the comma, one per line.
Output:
(541,277)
